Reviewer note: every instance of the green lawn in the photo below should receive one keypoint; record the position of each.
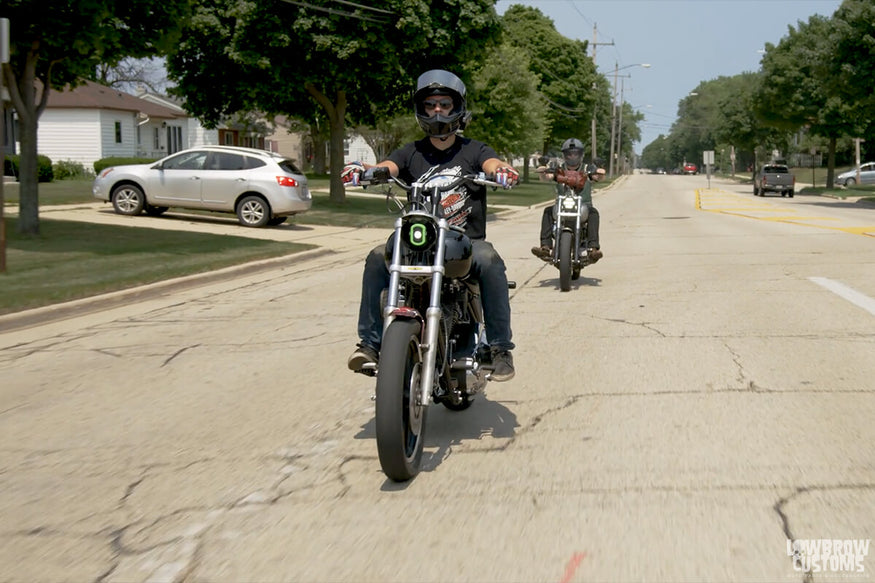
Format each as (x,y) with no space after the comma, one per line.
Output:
(71,259)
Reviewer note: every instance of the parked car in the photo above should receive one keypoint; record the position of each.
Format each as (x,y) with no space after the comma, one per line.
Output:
(262,188)
(690,168)
(774,178)
(849,178)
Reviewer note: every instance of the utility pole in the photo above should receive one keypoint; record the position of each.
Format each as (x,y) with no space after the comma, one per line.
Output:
(595,44)
(4,58)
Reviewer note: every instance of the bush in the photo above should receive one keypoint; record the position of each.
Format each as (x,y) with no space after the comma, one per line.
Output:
(104,163)
(44,171)
(68,169)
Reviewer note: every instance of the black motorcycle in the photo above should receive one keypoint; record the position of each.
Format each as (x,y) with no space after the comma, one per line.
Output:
(570,244)
(434,347)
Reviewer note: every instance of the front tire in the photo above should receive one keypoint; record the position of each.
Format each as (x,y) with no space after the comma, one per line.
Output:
(565,261)
(128,199)
(400,418)
(850,182)
(253,211)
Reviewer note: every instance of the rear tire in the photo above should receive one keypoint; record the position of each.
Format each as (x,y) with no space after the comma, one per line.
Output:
(253,211)
(400,420)
(565,261)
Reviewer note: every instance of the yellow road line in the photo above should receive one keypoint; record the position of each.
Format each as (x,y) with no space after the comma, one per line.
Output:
(717,201)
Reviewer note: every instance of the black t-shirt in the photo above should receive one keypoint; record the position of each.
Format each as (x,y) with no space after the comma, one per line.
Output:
(465,208)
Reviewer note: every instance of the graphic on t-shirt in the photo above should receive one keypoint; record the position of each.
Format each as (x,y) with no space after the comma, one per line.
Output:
(455,203)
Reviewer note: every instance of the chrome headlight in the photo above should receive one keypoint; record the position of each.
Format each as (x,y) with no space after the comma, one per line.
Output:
(569,203)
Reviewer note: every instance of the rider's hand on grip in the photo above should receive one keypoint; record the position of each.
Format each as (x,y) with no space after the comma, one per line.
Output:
(507,176)
(376,175)
(352,173)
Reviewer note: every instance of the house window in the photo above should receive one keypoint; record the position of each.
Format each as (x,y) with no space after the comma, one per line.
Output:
(229,139)
(156,140)
(345,148)
(118,132)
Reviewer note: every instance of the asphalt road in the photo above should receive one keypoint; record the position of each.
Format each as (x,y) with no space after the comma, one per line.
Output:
(701,395)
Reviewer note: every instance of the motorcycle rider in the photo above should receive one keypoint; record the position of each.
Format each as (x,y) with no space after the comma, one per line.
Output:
(572,153)
(440,109)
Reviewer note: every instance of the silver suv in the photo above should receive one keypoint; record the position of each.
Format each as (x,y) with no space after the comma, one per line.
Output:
(262,188)
(849,178)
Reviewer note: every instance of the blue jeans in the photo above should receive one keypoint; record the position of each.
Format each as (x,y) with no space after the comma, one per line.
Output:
(487,267)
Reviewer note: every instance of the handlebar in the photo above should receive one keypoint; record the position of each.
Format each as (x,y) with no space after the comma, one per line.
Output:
(380,175)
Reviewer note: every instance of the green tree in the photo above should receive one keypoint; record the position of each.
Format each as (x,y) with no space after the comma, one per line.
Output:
(508,112)
(798,88)
(572,89)
(58,44)
(736,123)
(853,62)
(389,134)
(359,64)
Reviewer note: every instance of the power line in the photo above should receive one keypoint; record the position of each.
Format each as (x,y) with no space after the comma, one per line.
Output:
(348,3)
(377,20)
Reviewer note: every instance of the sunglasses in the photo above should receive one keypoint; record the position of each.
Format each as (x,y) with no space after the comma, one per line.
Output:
(442,103)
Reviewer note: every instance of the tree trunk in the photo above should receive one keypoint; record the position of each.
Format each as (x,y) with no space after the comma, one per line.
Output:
(23,94)
(831,162)
(336,112)
(335,163)
(28,190)
(319,158)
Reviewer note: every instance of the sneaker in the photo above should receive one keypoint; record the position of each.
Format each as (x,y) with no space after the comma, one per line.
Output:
(363,355)
(542,252)
(502,366)
(595,255)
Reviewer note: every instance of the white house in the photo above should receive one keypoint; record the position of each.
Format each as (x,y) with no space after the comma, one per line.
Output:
(93,121)
(355,148)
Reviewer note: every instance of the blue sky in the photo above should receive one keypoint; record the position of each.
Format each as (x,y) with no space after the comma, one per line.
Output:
(685,42)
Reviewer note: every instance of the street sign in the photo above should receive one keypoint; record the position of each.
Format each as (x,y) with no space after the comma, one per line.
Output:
(708,156)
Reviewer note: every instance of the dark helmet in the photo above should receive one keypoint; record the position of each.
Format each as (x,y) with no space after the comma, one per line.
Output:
(572,150)
(439,82)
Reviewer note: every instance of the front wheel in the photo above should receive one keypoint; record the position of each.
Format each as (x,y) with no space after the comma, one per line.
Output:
(400,416)
(850,182)
(565,261)
(128,199)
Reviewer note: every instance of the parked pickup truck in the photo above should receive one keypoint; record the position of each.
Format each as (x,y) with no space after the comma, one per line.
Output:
(774,178)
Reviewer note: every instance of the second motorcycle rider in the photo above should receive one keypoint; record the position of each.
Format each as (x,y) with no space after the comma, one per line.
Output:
(572,152)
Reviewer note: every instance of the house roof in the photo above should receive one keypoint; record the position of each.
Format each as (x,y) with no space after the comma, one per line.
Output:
(93,95)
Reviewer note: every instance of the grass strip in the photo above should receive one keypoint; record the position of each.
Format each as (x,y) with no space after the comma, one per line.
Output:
(72,260)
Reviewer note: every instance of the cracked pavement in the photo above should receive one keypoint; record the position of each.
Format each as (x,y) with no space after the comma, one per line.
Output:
(692,403)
